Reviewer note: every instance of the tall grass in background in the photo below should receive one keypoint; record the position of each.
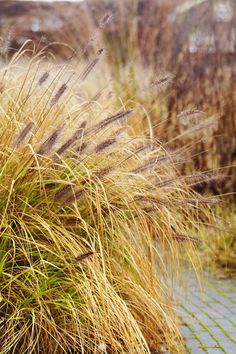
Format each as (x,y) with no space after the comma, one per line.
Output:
(94,222)
(194,44)
(189,51)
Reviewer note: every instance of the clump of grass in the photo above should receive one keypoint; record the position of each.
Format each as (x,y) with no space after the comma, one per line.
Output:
(90,233)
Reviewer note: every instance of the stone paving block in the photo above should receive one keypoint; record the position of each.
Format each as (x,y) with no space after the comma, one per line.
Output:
(216,293)
(214,313)
(214,351)
(204,319)
(186,333)
(194,345)
(210,299)
(229,347)
(207,339)
(222,309)
(185,316)
(182,312)
(199,351)
(226,325)
(222,297)
(229,305)
(195,326)
(219,335)
(192,307)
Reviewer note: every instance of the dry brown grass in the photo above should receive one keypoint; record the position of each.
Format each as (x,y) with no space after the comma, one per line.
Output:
(218,246)
(94,222)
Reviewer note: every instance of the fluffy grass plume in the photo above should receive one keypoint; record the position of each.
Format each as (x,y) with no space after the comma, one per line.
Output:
(93,222)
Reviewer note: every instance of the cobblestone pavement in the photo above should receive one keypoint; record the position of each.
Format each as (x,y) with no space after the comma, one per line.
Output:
(209,318)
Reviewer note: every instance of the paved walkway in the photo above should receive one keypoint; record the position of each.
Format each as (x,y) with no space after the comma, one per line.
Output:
(209,317)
